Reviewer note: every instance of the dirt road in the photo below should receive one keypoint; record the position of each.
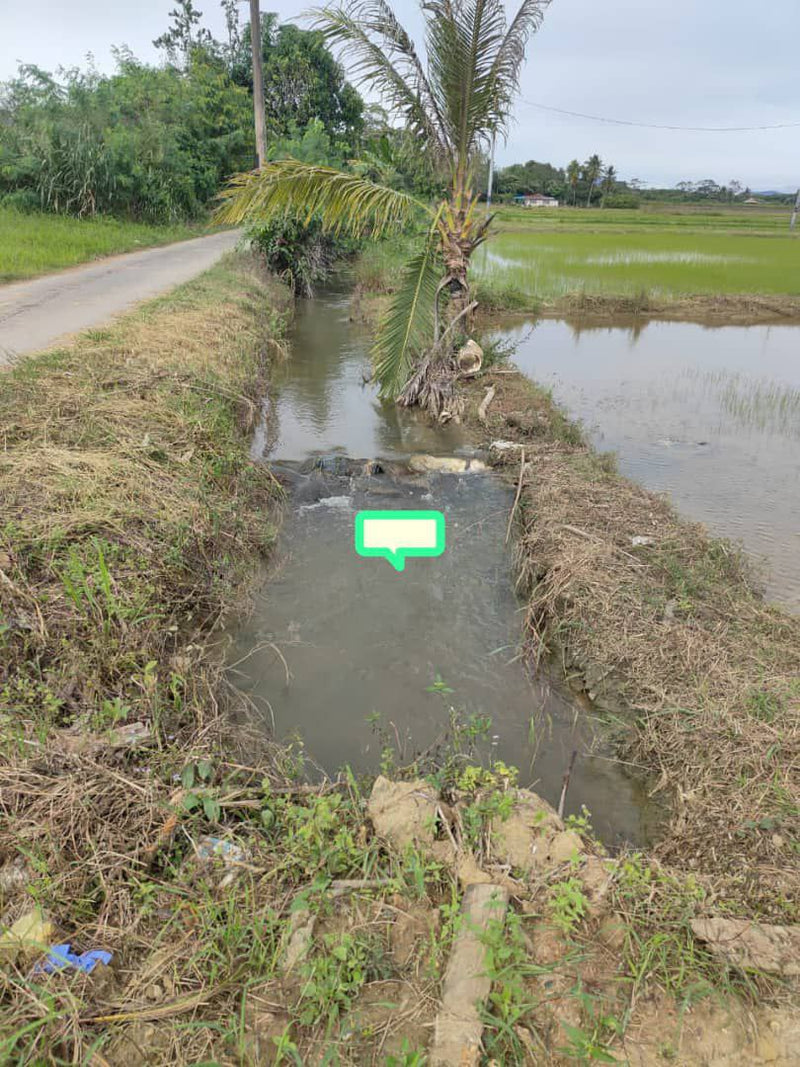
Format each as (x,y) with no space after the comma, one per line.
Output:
(36,313)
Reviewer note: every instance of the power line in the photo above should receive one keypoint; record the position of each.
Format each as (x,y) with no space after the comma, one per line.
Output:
(656,126)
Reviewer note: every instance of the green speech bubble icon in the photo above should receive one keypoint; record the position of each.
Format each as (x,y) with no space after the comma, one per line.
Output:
(396,535)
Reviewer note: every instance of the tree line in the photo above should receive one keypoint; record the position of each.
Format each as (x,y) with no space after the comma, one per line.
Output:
(155,142)
(592,183)
(595,183)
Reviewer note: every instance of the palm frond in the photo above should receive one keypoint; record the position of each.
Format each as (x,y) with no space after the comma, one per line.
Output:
(346,203)
(475,60)
(511,53)
(406,330)
(381,55)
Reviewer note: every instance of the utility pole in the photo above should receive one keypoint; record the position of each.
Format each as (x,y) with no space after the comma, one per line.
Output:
(259,108)
(491,177)
(796,209)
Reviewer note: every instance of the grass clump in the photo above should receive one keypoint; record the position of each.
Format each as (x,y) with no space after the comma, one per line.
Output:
(34,243)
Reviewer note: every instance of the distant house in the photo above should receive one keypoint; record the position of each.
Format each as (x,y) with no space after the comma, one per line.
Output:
(752,200)
(536,200)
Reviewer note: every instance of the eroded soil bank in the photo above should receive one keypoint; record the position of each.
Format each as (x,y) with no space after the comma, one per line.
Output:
(368,668)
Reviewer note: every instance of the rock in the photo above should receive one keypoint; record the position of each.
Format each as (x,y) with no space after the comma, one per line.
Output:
(639,542)
(470,358)
(504,449)
(469,873)
(30,936)
(459,1025)
(301,936)
(77,741)
(612,932)
(775,949)
(444,464)
(403,813)
(533,837)
(595,877)
(563,847)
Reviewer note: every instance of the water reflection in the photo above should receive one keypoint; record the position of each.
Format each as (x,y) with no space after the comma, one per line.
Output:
(709,415)
(322,402)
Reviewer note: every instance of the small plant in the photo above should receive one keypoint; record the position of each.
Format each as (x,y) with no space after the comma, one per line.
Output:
(332,979)
(196,779)
(407,1057)
(585,1047)
(567,904)
(109,714)
(582,823)
(512,1002)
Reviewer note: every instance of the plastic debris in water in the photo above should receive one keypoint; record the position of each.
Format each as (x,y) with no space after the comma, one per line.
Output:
(61,956)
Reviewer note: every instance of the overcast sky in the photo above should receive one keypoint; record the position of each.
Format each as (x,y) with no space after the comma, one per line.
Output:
(687,62)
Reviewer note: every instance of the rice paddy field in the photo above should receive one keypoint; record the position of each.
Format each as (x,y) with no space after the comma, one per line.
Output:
(547,255)
(36,243)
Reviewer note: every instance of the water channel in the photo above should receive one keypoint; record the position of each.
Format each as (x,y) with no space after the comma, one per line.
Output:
(335,641)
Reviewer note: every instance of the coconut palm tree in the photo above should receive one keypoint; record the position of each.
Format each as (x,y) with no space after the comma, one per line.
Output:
(592,168)
(609,183)
(573,177)
(454,103)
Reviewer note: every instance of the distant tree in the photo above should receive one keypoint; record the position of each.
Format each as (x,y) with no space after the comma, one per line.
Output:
(522,179)
(184,34)
(230,9)
(735,189)
(302,81)
(707,189)
(592,168)
(573,177)
(609,183)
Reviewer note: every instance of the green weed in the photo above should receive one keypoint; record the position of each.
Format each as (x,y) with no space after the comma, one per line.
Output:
(567,904)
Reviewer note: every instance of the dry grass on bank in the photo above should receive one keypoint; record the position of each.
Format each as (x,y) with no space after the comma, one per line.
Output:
(673,632)
(130,516)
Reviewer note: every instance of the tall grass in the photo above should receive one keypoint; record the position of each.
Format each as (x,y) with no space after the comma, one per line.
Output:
(32,244)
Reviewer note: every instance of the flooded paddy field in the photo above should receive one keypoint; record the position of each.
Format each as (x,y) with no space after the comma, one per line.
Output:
(709,416)
(542,264)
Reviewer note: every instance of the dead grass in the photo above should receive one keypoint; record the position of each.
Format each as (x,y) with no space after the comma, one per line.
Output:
(132,520)
(673,633)
(131,516)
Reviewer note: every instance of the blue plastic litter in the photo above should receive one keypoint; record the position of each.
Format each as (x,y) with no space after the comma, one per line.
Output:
(61,956)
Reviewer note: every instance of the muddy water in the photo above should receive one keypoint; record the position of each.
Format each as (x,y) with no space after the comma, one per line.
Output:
(336,642)
(710,416)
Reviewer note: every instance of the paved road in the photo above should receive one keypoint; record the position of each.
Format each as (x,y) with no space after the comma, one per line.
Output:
(34,314)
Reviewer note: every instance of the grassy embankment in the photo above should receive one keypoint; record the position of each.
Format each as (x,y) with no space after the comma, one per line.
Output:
(673,638)
(729,265)
(32,244)
(131,520)
(672,633)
